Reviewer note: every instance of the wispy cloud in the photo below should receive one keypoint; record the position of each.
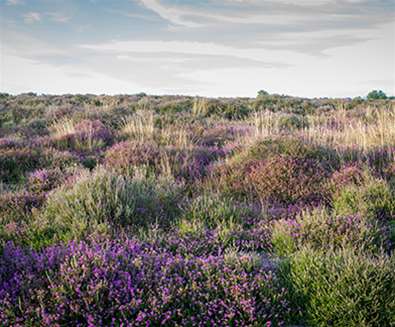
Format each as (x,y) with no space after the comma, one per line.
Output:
(280,12)
(14,2)
(58,17)
(32,17)
(304,47)
(174,14)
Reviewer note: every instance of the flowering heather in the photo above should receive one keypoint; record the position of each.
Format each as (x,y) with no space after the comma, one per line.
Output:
(288,180)
(123,156)
(221,134)
(189,163)
(123,282)
(139,210)
(15,162)
(44,180)
(10,142)
(350,174)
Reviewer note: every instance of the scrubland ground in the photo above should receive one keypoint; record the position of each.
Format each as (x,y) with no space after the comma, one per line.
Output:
(179,211)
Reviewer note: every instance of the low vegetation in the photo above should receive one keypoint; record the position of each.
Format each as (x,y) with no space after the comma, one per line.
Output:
(180,211)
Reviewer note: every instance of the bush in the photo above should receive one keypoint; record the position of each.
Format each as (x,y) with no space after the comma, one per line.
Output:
(123,282)
(188,164)
(15,163)
(16,210)
(104,200)
(374,200)
(347,175)
(344,288)
(320,230)
(293,147)
(292,122)
(376,95)
(125,156)
(213,210)
(288,180)
(87,135)
(281,159)
(44,180)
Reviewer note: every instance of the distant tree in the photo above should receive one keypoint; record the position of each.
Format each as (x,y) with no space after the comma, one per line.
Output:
(262,93)
(376,95)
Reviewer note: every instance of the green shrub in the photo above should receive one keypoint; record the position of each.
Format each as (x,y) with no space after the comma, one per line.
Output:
(105,201)
(320,230)
(15,162)
(374,200)
(376,95)
(291,147)
(292,122)
(344,288)
(213,210)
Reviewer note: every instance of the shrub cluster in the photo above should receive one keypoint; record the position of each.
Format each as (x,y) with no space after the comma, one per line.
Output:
(102,200)
(123,282)
(343,288)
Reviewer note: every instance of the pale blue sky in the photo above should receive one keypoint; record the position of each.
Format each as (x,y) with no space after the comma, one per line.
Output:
(206,47)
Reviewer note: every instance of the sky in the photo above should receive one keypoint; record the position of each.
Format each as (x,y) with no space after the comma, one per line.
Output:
(309,48)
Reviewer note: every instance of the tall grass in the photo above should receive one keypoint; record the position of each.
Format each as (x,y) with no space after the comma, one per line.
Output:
(200,107)
(62,128)
(376,128)
(140,126)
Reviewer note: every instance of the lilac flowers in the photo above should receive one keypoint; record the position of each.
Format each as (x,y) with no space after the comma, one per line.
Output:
(105,283)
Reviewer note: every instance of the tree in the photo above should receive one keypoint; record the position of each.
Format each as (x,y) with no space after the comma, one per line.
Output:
(376,94)
(262,93)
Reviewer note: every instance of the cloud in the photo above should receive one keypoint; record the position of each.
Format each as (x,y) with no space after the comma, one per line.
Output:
(14,2)
(58,17)
(32,17)
(230,47)
(280,12)
(172,14)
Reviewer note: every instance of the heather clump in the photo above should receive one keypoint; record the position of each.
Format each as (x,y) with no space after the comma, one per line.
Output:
(288,180)
(191,163)
(44,180)
(282,170)
(347,175)
(221,134)
(16,162)
(123,157)
(123,282)
(184,163)
(16,215)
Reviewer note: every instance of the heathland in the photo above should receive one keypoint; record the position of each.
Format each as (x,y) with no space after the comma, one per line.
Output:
(138,210)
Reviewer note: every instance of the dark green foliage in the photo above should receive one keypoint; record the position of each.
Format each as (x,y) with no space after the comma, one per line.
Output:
(16,162)
(376,95)
(292,122)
